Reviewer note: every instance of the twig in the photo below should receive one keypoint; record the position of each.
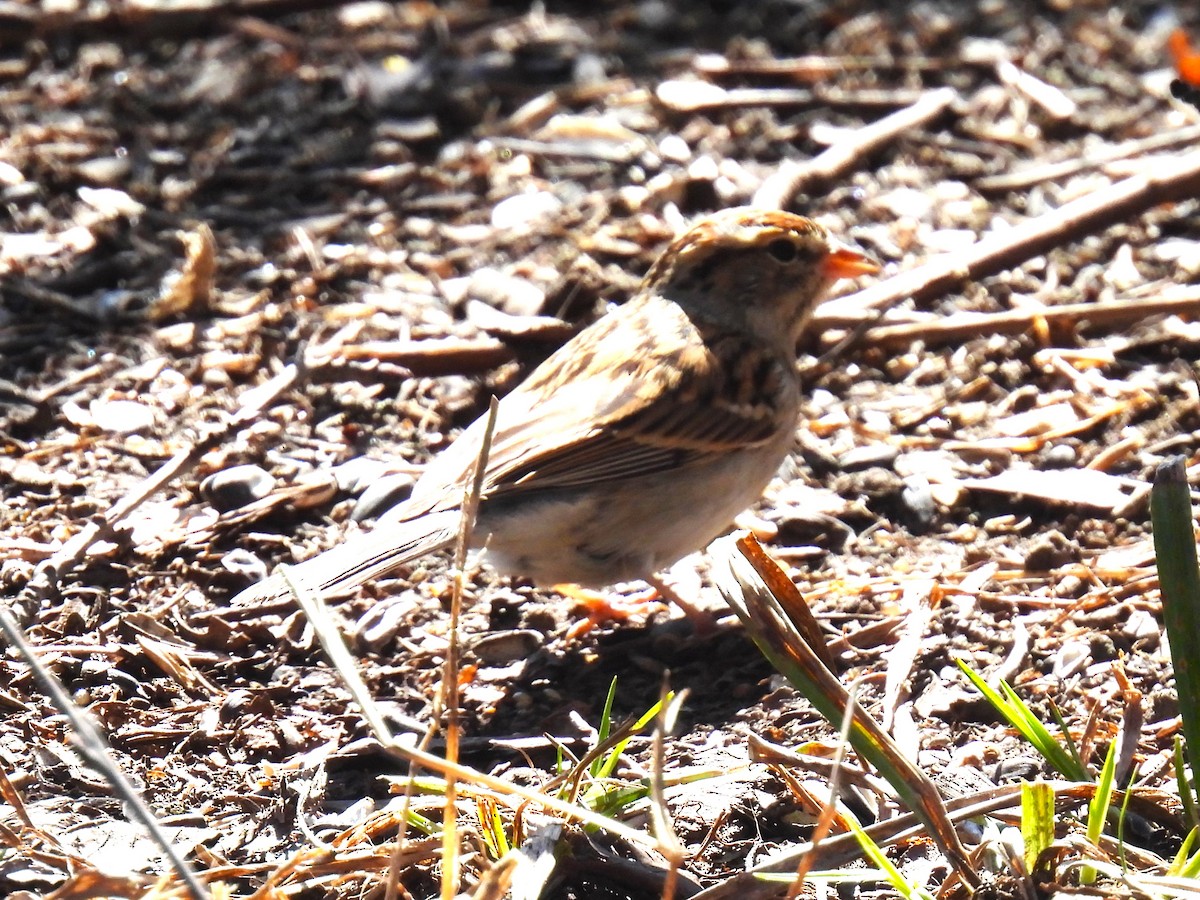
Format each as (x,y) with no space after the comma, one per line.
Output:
(694,96)
(1031,175)
(1093,212)
(1053,101)
(794,177)
(818,68)
(964,326)
(432,356)
(470,508)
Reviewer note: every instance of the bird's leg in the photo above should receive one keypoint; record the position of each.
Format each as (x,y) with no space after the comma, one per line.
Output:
(601,608)
(703,622)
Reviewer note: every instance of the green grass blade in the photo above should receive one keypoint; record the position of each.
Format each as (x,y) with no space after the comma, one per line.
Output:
(1068,741)
(879,859)
(1021,717)
(607,764)
(1098,807)
(1121,818)
(1179,582)
(1037,820)
(605,729)
(769,606)
(1185,865)
(1186,797)
(1102,798)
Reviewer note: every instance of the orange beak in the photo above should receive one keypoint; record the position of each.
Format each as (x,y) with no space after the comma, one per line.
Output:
(846,263)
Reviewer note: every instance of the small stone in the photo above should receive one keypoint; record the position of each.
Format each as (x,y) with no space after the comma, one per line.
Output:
(104,170)
(868,457)
(357,474)
(917,496)
(524,209)
(379,626)
(1050,551)
(1060,456)
(675,149)
(236,487)
(117,416)
(381,495)
(506,647)
(245,563)
(513,295)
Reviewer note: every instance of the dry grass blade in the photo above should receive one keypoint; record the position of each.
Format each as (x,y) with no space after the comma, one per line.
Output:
(660,819)
(737,574)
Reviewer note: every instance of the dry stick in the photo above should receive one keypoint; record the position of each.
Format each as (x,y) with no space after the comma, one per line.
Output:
(450,677)
(1030,175)
(1090,213)
(964,326)
(89,740)
(820,68)
(1052,100)
(794,177)
(660,817)
(695,96)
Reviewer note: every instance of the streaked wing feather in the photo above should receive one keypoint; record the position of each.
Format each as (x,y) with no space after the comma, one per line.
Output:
(643,409)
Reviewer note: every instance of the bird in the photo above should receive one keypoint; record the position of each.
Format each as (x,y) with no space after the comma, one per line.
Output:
(640,439)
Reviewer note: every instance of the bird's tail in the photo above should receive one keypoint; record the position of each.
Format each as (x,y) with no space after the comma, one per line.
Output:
(359,559)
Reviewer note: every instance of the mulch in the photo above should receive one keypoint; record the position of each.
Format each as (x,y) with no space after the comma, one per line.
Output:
(412,206)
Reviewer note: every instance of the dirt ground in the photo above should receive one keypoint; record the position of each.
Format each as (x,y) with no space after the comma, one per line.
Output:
(419,204)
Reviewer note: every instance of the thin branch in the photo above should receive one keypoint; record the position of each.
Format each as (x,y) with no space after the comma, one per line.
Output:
(1028,176)
(795,177)
(93,747)
(1124,200)
(965,326)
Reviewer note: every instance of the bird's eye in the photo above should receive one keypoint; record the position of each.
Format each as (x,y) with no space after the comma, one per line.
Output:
(782,249)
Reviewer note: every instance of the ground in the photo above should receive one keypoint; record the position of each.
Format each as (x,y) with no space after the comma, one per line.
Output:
(416,205)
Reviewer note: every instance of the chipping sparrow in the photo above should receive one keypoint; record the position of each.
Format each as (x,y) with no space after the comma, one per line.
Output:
(640,439)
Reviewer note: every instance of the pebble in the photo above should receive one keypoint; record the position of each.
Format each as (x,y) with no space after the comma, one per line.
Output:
(1060,456)
(868,456)
(379,625)
(524,209)
(381,495)
(236,487)
(243,562)
(357,474)
(513,295)
(116,416)
(917,496)
(505,647)
(105,170)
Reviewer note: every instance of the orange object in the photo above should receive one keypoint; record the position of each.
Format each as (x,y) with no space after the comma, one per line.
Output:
(1186,57)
